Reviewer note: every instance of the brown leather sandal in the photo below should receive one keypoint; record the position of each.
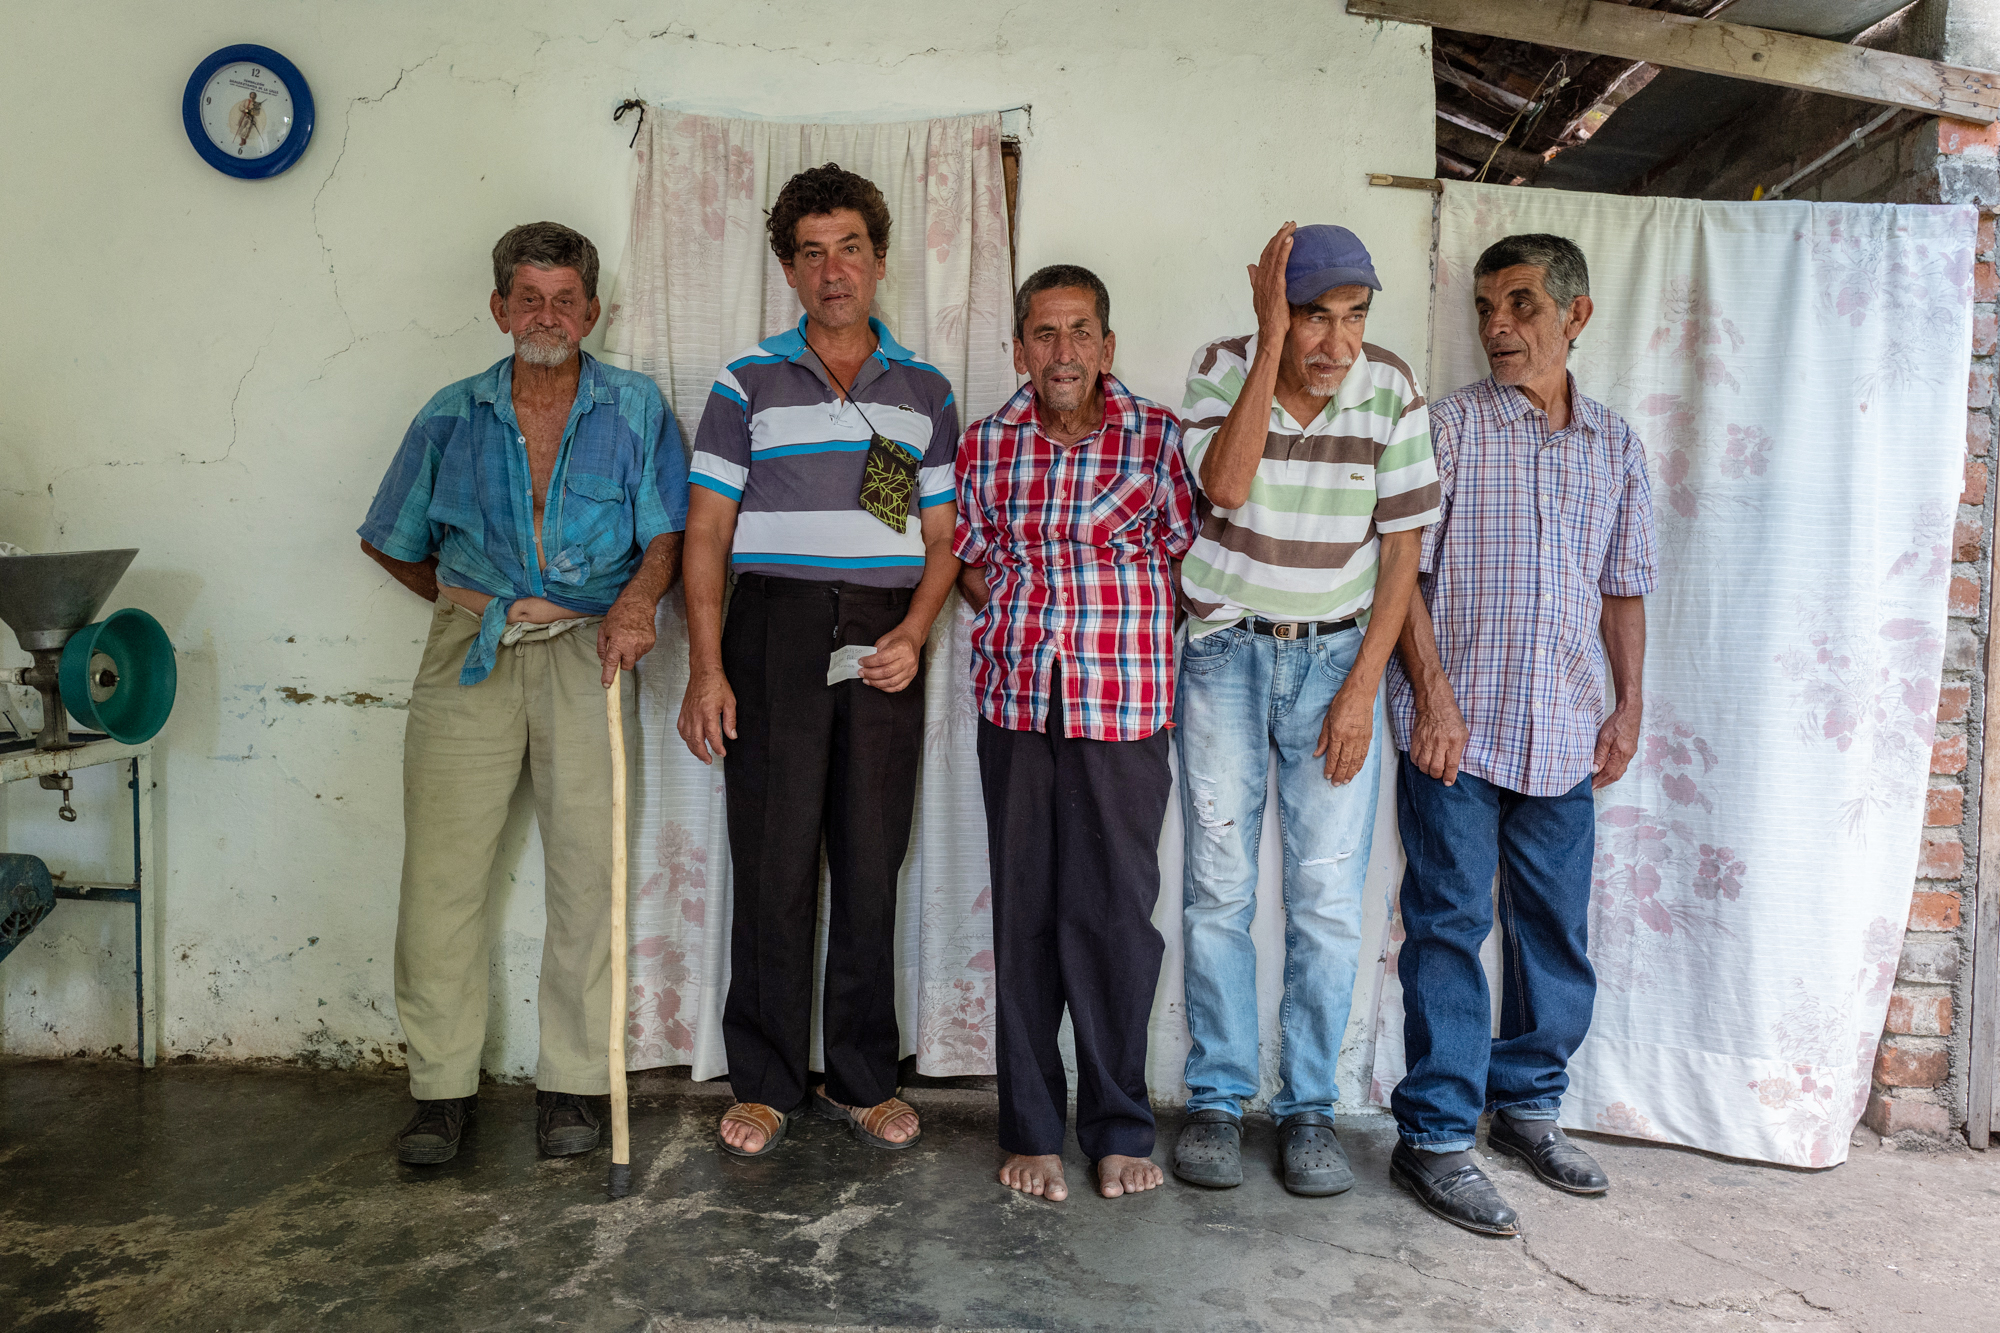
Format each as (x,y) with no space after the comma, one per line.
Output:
(867,1123)
(771,1124)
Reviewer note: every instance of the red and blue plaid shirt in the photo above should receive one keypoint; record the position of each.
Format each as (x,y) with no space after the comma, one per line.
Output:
(1077,542)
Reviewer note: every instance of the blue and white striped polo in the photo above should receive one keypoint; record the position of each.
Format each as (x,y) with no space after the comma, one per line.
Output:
(777,438)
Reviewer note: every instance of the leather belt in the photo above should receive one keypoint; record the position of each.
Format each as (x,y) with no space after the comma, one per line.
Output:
(1299,629)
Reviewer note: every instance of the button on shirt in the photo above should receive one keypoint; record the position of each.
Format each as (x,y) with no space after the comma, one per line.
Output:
(458,488)
(1538,528)
(777,438)
(1303,545)
(1076,541)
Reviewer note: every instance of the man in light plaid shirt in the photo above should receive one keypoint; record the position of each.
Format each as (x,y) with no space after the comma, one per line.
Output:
(1498,707)
(1073,506)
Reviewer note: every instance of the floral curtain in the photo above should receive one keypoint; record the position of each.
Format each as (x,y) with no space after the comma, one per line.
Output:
(698,284)
(1798,374)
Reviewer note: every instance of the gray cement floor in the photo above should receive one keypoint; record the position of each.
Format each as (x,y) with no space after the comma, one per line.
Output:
(215,1198)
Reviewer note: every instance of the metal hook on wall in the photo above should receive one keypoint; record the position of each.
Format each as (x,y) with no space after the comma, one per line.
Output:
(631,104)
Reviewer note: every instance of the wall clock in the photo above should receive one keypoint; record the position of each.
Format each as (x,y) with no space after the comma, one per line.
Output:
(247,111)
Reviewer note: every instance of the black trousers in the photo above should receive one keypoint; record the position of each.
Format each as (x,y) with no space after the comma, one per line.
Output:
(1073,832)
(814,761)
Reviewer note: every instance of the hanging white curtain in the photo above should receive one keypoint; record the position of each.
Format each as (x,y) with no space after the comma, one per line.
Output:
(1798,374)
(699,284)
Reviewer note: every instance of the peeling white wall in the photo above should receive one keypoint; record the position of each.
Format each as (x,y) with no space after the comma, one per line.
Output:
(216,371)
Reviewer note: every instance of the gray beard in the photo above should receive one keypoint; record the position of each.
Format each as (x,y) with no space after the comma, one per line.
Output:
(539,351)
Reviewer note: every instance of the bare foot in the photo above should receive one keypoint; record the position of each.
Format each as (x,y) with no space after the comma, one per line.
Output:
(1036,1175)
(900,1130)
(1126,1175)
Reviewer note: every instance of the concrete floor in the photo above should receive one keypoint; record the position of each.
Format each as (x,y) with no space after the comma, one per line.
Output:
(215,1198)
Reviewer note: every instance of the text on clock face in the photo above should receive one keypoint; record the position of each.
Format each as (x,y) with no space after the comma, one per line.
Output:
(246,110)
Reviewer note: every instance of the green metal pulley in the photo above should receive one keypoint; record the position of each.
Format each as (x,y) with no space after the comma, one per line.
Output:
(118,676)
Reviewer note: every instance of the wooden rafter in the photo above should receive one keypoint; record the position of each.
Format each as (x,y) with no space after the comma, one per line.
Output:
(1713,47)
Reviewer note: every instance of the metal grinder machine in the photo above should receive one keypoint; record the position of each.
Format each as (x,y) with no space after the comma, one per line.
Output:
(116,678)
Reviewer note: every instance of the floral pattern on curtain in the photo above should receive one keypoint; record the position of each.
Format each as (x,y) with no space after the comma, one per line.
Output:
(1798,373)
(698,284)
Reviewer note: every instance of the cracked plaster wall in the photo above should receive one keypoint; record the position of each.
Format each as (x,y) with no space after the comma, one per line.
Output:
(216,372)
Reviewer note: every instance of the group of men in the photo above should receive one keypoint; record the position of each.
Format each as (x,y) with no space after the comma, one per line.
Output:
(1319,529)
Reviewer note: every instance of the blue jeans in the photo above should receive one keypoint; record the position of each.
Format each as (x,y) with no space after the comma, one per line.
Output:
(1241,695)
(1456,837)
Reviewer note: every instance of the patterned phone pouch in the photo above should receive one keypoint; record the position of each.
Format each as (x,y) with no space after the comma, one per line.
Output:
(889,482)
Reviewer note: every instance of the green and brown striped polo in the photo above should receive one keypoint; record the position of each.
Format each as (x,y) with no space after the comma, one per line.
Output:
(1304,545)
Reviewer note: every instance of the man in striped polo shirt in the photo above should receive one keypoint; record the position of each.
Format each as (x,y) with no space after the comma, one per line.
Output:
(1312,451)
(822,476)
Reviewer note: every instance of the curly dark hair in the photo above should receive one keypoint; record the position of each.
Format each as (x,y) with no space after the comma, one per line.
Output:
(822,190)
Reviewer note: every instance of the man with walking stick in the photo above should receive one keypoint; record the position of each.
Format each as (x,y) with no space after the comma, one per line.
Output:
(539,505)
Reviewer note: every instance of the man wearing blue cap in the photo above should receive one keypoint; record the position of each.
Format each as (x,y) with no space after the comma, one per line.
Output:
(1313,455)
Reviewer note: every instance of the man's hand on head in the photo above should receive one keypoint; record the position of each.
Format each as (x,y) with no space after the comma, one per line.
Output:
(624,636)
(1267,289)
(894,662)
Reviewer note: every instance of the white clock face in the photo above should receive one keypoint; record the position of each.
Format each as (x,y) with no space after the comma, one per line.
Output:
(246,110)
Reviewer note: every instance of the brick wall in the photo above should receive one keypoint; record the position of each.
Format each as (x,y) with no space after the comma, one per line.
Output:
(1920,1066)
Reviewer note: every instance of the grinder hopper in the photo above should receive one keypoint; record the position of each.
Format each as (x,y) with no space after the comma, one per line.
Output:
(117,674)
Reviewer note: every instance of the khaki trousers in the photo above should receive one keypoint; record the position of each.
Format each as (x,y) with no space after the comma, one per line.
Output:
(463,751)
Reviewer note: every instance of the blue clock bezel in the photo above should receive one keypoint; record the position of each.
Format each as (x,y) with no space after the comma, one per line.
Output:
(302,113)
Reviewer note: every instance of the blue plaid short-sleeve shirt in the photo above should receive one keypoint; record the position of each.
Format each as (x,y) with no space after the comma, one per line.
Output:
(458,488)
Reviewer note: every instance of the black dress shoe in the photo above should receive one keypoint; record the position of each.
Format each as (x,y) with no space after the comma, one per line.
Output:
(1210,1150)
(1315,1163)
(1452,1186)
(1548,1153)
(564,1124)
(433,1134)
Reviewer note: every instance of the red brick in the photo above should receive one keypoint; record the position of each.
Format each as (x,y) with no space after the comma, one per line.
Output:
(1933,911)
(1985,332)
(1889,1115)
(1986,233)
(1898,1067)
(1978,433)
(1979,388)
(1975,483)
(1942,858)
(1948,755)
(1967,541)
(1954,697)
(1964,599)
(1985,282)
(1919,1015)
(1958,136)
(1944,807)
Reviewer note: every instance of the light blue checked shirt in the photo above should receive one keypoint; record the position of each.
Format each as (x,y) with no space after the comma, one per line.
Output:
(459,489)
(1538,530)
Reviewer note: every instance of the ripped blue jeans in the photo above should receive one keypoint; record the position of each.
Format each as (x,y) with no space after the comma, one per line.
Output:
(1240,697)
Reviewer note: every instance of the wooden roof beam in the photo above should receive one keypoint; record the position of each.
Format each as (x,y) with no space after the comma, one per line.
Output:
(1709,46)
(1478,149)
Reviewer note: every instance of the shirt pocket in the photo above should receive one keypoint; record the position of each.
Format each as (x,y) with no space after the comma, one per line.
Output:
(1117,516)
(597,524)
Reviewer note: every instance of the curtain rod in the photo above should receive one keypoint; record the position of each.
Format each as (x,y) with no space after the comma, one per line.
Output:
(639,104)
(1405,182)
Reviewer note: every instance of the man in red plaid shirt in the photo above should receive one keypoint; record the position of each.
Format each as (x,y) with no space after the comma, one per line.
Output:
(1074,507)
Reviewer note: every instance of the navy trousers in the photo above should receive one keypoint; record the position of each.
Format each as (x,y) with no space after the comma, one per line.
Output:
(1073,833)
(1455,838)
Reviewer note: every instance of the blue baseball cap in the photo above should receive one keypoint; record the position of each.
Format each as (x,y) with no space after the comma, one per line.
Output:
(1325,256)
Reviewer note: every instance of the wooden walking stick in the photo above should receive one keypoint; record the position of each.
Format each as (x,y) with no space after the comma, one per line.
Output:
(621,1126)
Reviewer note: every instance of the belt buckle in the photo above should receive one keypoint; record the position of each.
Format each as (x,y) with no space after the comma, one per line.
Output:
(1285,630)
